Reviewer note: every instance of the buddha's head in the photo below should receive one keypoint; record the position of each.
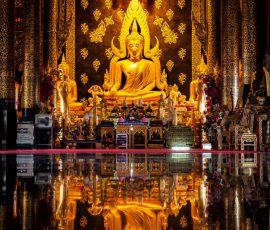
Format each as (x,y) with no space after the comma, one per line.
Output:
(134,43)
(63,69)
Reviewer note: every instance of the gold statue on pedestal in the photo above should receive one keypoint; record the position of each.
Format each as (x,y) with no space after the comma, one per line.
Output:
(197,87)
(66,88)
(134,64)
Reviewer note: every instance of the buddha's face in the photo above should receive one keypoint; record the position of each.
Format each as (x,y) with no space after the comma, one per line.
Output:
(62,73)
(134,48)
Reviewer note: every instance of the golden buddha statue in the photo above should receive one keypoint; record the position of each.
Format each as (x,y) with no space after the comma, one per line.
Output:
(197,93)
(134,64)
(66,88)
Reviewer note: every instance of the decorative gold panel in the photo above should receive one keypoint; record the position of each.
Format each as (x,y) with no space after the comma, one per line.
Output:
(97,14)
(182,28)
(183,222)
(230,52)
(84,78)
(70,43)
(181,4)
(108,4)
(250,46)
(109,21)
(182,78)
(158,3)
(170,65)
(84,4)
(212,34)
(169,14)
(159,53)
(30,56)
(182,53)
(175,27)
(84,53)
(196,46)
(158,21)
(96,64)
(97,35)
(109,53)
(7,86)
(83,222)
(169,35)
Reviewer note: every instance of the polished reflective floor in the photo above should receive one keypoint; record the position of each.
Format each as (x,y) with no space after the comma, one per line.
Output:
(140,189)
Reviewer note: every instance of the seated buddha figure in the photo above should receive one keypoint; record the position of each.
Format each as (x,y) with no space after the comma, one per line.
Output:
(139,72)
(135,68)
(66,88)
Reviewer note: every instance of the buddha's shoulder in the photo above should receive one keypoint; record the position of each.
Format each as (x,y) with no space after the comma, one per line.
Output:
(142,61)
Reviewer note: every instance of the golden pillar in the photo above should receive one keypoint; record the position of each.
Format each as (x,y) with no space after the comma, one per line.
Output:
(7,34)
(230,49)
(8,119)
(196,45)
(50,33)
(250,41)
(213,31)
(31,76)
(70,43)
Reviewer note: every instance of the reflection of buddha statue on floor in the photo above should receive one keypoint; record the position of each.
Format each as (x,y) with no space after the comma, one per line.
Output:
(135,68)
(66,88)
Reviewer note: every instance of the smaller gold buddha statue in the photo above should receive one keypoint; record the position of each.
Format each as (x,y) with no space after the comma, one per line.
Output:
(66,88)
(197,93)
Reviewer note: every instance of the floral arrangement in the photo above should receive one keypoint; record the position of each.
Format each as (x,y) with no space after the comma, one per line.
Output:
(213,112)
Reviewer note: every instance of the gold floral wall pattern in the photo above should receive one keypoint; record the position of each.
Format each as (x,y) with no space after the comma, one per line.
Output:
(98,21)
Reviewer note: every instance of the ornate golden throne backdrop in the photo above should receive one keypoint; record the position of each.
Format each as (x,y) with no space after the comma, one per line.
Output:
(97,22)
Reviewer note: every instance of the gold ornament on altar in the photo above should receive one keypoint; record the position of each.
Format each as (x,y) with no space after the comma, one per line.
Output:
(95,210)
(84,53)
(182,78)
(169,35)
(97,14)
(97,35)
(169,14)
(170,65)
(84,28)
(108,4)
(181,4)
(158,3)
(182,53)
(135,59)
(96,64)
(183,222)
(66,88)
(84,78)
(158,21)
(109,53)
(159,53)
(84,4)
(95,90)
(121,14)
(83,222)
(109,21)
(182,28)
